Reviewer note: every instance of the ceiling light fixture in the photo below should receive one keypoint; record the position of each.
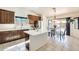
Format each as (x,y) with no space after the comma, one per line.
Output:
(54,9)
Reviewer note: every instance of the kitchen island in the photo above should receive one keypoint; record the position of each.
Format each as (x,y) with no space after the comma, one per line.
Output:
(38,38)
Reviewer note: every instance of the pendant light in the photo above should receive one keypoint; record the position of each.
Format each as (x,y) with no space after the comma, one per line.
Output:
(54,9)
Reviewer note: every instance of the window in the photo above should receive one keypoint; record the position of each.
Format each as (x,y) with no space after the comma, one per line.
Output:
(21,22)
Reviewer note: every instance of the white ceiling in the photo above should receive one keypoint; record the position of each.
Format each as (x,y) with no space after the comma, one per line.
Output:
(48,11)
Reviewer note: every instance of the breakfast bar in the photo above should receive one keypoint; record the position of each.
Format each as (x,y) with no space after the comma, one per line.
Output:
(38,38)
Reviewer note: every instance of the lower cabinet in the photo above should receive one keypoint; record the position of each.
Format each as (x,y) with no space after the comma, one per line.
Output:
(8,36)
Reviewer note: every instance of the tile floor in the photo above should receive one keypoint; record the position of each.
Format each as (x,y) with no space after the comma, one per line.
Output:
(68,43)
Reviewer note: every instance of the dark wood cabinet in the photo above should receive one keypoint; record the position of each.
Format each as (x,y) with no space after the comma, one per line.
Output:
(33,17)
(6,17)
(33,20)
(8,36)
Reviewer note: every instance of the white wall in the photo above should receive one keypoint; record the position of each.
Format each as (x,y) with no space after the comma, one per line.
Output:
(74,30)
(44,23)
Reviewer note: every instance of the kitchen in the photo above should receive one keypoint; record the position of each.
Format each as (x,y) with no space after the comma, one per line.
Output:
(15,22)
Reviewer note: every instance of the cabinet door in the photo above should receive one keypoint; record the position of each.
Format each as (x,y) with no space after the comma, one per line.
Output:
(6,17)
(11,17)
(1,37)
(22,34)
(2,17)
(8,36)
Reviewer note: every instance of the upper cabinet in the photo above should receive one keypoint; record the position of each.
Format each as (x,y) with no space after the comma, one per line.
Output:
(6,17)
(33,18)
